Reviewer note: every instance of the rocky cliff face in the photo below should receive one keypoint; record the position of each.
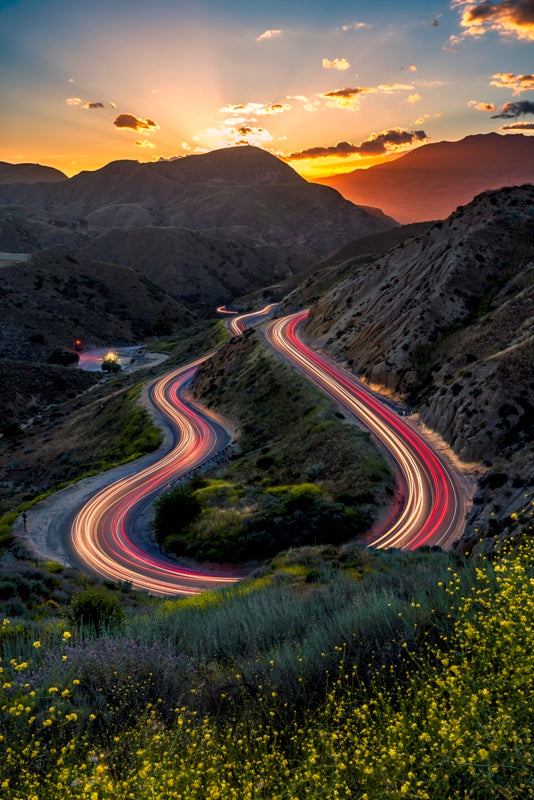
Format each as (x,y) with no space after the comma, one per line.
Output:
(447,321)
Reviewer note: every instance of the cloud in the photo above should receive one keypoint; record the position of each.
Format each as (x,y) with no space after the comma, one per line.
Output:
(337,63)
(412,67)
(262,109)
(509,80)
(376,145)
(347,97)
(355,26)
(271,34)
(481,106)
(144,143)
(518,126)
(505,17)
(435,22)
(389,88)
(413,98)
(310,104)
(514,110)
(134,123)
(87,104)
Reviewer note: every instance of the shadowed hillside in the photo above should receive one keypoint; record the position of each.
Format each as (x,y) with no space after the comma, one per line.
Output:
(446,320)
(431,181)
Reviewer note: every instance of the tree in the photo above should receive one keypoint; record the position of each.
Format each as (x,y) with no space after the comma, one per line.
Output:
(111,363)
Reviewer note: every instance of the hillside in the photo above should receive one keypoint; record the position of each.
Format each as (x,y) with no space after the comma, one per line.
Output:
(431,181)
(54,298)
(445,319)
(241,194)
(29,173)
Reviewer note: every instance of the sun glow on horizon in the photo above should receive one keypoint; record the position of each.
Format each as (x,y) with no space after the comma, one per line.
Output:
(173,80)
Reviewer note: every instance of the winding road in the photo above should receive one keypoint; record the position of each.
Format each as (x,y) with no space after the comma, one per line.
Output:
(102,532)
(108,535)
(432,500)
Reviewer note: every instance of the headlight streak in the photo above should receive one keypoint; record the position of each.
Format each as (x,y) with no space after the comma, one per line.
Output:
(100,531)
(432,511)
(238,324)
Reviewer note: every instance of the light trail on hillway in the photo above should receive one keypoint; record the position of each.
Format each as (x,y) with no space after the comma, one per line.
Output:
(431,503)
(430,507)
(101,533)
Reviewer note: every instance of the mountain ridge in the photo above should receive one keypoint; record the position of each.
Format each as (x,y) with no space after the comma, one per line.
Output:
(430,181)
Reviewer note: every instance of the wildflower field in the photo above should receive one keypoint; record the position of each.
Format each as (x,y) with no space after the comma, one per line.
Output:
(351,674)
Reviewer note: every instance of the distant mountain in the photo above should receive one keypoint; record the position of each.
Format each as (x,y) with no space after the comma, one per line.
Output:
(431,181)
(29,173)
(240,194)
(446,319)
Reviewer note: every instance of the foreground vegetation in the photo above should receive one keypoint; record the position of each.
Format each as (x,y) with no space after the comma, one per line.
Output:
(334,674)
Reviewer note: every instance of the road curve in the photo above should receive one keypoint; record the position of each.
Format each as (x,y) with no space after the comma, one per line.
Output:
(101,532)
(238,324)
(432,502)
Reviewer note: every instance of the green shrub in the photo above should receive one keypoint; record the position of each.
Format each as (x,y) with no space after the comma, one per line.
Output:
(95,609)
(175,510)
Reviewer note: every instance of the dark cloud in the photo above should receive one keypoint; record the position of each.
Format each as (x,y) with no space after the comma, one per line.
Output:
(515,110)
(435,22)
(519,11)
(134,123)
(507,17)
(346,93)
(518,126)
(375,146)
(244,130)
(93,105)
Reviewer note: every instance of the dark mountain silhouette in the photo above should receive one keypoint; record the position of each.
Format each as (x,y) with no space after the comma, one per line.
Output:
(238,194)
(431,181)
(29,173)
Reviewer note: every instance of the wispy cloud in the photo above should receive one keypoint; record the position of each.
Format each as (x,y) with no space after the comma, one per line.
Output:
(481,106)
(412,67)
(376,145)
(390,88)
(355,26)
(310,104)
(261,109)
(144,143)
(87,104)
(509,80)
(413,98)
(349,97)
(337,63)
(514,110)
(505,17)
(131,122)
(270,34)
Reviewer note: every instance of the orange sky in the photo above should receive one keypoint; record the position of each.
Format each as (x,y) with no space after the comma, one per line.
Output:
(329,87)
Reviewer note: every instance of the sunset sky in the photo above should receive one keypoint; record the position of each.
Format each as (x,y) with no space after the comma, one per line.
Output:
(330,86)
